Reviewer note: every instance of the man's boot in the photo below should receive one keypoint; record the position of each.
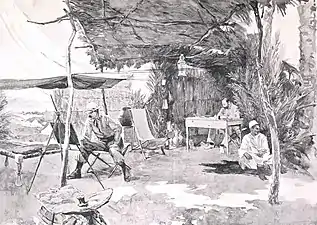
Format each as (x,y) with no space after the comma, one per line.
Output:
(126,172)
(267,170)
(261,172)
(76,174)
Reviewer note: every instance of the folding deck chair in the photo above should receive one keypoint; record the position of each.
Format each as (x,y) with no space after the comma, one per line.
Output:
(141,137)
(141,125)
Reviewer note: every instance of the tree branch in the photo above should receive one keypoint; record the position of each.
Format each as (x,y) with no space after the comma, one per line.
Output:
(154,22)
(103,5)
(306,106)
(217,24)
(201,17)
(135,33)
(141,26)
(58,20)
(89,42)
(207,10)
(85,46)
(131,11)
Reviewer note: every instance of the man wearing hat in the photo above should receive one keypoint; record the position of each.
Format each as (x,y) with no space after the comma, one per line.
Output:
(254,152)
(107,134)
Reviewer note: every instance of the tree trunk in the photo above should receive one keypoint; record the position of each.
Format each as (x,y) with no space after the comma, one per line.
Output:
(275,185)
(70,103)
(264,43)
(307,46)
(267,25)
(255,8)
(271,120)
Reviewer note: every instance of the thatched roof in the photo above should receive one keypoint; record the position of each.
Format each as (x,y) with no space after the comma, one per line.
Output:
(132,31)
(128,32)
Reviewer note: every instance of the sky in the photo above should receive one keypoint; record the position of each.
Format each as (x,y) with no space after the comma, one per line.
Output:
(32,51)
(43,51)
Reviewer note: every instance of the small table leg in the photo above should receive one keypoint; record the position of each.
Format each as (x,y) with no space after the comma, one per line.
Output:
(187,138)
(227,141)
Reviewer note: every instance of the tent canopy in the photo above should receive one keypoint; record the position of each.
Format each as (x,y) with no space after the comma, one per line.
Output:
(34,56)
(79,82)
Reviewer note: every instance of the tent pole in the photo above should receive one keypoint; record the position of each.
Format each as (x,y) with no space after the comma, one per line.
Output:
(70,100)
(104,101)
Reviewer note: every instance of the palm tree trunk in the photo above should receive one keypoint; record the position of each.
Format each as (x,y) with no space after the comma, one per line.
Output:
(267,26)
(307,46)
(275,185)
(265,38)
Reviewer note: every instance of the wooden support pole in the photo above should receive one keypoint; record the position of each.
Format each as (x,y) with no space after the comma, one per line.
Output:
(104,101)
(70,100)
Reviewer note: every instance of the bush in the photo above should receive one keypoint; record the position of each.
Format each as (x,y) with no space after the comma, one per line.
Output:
(288,98)
(4,118)
(138,99)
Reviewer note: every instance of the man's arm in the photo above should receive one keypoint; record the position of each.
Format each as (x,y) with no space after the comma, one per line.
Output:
(245,146)
(87,131)
(116,127)
(236,113)
(221,113)
(264,148)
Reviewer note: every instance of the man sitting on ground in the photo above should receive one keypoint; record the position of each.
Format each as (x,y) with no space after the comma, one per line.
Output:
(254,152)
(108,138)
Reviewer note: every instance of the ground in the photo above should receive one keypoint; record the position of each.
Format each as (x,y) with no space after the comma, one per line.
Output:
(194,187)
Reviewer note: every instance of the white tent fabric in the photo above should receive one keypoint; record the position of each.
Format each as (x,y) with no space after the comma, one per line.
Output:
(31,51)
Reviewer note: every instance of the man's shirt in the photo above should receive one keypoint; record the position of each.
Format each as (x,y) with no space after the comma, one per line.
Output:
(232,112)
(100,128)
(252,144)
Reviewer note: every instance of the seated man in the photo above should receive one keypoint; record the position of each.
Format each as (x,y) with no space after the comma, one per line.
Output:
(108,138)
(254,152)
(227,112)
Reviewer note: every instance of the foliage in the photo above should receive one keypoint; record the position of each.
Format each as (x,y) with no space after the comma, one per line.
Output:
(125,33)
(155,101)
(287,97)
(138,99)
(4,118)
(122,33)
(207,32)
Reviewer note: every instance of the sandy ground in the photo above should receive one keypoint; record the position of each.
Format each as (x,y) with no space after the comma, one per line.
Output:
(182,187)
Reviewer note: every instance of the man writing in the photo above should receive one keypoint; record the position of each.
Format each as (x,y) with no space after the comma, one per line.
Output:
(108,138)
(228,111)
(254,152)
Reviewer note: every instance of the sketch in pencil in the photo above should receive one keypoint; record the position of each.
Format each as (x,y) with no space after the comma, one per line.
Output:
(158,112)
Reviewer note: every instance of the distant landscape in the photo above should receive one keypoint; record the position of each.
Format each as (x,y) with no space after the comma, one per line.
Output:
(32,110)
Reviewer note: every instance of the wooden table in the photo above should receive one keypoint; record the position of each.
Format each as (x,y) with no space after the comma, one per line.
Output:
(210,123)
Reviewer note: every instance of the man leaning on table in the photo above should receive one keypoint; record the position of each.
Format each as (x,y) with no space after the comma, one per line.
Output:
(229,111)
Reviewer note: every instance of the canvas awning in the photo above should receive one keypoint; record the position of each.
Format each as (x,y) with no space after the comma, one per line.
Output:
(79,82)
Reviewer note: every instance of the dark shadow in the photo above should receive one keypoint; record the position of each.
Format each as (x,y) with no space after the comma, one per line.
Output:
(227,167)
(107,171)
(134,178)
